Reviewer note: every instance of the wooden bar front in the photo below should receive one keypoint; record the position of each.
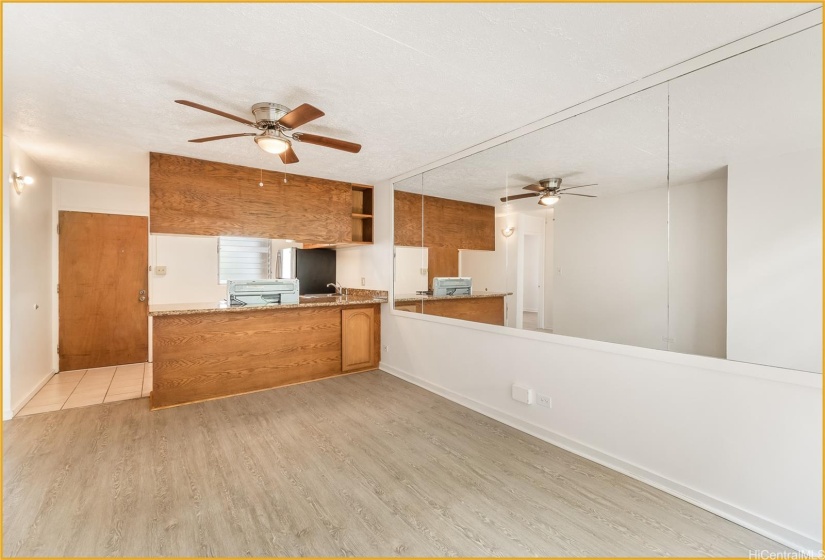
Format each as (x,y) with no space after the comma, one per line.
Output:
(202,356)
(488,310)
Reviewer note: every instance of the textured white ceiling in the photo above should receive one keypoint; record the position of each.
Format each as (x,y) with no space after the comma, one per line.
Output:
(765,101)
(88,89)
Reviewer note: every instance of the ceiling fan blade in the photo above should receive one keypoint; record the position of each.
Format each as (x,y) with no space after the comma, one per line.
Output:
(222,137)
(327,142)
(288,156)
(578,187)
(300,115)
(575,194)
(534,188)
(518,196)
(214,111)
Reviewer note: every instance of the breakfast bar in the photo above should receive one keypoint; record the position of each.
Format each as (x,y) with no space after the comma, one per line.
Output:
(205,351)
(482,307)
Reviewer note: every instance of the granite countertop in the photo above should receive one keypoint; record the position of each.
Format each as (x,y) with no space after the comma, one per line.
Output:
(332,300)
(402,298)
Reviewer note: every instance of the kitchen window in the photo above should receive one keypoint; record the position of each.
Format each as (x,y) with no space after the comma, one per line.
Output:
(244,258)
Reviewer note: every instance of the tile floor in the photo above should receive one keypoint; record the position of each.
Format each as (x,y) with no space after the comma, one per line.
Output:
(84,387)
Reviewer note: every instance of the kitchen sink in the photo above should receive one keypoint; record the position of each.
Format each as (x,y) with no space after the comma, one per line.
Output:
(323,298)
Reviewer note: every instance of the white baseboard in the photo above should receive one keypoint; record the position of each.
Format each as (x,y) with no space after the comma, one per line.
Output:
(8,415)
(756,523)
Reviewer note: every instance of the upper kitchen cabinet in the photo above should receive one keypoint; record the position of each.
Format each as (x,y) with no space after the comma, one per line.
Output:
(447,224)
(197,197)
(454,224)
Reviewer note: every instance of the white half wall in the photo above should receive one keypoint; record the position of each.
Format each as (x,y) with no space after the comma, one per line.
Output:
(28,293)
(741,440)
(775,260)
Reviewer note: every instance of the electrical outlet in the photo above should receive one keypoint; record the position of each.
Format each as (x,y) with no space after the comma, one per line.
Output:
(160,270)
(544,400)
(363,281)
(386,349)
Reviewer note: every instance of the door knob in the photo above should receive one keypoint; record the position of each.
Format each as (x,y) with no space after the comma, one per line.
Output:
(142,298)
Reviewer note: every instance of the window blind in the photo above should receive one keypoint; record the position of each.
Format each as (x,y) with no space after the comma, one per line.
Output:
(243,258)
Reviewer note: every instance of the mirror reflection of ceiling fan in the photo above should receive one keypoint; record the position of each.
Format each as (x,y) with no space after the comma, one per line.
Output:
(275,122)
(549,192)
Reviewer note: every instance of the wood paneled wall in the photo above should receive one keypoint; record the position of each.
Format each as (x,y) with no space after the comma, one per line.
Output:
(408,216)
(197,197)
(447,224)
(441,262)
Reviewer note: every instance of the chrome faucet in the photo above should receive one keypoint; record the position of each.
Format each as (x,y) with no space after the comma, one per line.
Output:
(338,289)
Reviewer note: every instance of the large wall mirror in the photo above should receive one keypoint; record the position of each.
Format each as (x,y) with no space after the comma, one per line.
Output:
(686,217)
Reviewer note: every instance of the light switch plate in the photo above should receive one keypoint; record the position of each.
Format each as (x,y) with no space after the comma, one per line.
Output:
(160,270)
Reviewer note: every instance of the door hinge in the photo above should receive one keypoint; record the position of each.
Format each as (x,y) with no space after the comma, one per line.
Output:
(58,350)
(58,288)
(58,229)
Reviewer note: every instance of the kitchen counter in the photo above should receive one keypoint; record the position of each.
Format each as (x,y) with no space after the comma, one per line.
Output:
(210,350)
(481,307)
(160,310)
(409,298)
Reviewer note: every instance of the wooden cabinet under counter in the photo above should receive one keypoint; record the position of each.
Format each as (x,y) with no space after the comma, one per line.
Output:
(360,328)
(204,354)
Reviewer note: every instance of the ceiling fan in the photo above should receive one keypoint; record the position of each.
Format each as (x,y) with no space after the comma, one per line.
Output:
(274,122)
(549,191)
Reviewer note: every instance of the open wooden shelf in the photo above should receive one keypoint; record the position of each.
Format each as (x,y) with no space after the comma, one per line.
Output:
(362,216)
(362,208)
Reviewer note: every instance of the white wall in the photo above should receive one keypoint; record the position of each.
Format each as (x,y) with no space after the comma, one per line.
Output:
(7,408)
(356,263)
(411,264)
(696,427)
(549,267)
(531,273)
(698,268)
(611,268)
(191,263)
(775,260)
(488,269)
(27,292)
(105,198)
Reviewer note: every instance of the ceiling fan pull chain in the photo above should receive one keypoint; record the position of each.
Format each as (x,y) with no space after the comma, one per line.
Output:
(261,184)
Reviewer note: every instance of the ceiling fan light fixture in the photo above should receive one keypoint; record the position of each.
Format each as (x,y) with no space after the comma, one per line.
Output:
(548,200)
(272,142)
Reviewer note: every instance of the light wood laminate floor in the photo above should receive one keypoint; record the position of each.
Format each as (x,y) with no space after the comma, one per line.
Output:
(364,465)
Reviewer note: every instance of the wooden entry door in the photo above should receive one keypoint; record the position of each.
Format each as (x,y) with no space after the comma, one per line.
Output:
(103,295)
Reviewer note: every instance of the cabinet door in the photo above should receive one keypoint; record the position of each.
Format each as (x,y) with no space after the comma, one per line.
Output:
(358,344)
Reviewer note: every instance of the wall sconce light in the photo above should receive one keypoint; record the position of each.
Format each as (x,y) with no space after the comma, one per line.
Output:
(508,231)
(19,182)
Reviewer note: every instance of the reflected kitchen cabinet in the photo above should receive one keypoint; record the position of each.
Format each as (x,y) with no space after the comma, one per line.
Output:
(407,222)
(456,224)
(359,342)
(447,224)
